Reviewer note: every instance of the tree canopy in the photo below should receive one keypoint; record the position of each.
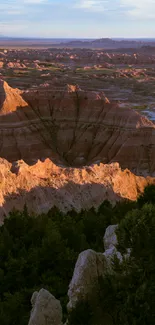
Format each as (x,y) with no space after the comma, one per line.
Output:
(41,251)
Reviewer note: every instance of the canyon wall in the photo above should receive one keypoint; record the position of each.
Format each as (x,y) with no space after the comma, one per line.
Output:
(44,185)
(74,128)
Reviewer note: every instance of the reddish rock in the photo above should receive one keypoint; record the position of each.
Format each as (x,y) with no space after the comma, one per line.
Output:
(74,128)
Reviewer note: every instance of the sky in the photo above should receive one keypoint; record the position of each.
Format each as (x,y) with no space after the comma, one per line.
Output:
(77,18)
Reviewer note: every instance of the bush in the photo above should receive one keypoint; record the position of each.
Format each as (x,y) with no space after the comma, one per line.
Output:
(148,196)
(81,315)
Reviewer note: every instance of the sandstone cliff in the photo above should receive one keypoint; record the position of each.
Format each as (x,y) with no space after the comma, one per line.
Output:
(44,185)
(74,128)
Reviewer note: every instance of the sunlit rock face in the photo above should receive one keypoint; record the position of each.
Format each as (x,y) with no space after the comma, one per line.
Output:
(73,128)
(68,149)
(44,185)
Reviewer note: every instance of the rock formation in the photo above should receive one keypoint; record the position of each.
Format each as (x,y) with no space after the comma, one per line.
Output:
(56,132)
(110,237)
(10,100)
(89,267)
(74,128)
(46,310)
(110,245)
(84,286)
(44,185)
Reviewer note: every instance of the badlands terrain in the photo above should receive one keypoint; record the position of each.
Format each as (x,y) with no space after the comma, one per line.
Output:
(77,126)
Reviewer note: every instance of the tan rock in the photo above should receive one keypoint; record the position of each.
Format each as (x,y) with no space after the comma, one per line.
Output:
(71,128)
(44,185)
(110,237)
(85,281)
(74,128)
(46,310)
(110,244)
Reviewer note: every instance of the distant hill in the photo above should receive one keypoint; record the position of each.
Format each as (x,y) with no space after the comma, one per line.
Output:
(4,37)
(102,43)
(107,43)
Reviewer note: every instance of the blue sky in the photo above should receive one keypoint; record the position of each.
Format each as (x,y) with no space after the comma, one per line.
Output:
(77,18)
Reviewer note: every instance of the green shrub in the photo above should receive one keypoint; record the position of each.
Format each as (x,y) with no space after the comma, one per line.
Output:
(148,196)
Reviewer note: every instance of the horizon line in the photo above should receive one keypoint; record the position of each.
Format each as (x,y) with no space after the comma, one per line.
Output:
(76,38)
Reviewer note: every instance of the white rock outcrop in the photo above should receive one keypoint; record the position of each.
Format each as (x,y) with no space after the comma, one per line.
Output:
(89,267)
(110,237)
(110,245)
(110,254)
(46,309)
(84,286)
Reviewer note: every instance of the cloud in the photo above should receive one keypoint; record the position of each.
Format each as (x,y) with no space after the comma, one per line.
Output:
(7,9)
(91,5)
(140,9)
(72,17)
(16,4)
(34,1)
(8,27)
(18,7)
(100,6)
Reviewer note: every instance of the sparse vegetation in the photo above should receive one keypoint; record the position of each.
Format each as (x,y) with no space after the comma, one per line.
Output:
(141,107)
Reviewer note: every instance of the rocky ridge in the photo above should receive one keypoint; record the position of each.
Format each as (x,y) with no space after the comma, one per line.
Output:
(44,185)
(74,128)
(67,148)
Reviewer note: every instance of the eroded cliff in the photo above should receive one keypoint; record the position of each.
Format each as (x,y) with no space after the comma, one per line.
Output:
(74,128)
(70,149)
(44,185)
